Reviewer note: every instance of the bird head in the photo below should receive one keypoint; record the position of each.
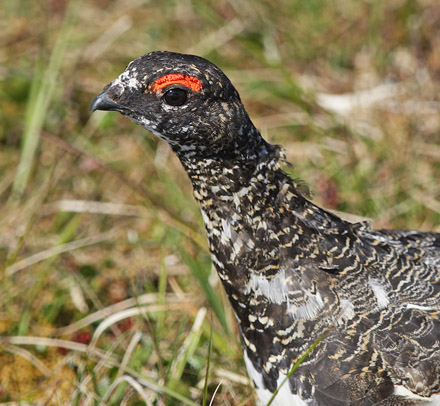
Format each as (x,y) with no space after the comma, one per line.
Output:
(184,99)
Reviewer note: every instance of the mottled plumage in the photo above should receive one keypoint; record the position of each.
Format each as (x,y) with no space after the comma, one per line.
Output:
(292,270)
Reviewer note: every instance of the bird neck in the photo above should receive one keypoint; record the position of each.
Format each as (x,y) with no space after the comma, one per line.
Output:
(251,209)
(247,164)
(244,196)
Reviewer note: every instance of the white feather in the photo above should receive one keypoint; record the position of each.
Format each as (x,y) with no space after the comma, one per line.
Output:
(380,292)
(400,390)
(285,397)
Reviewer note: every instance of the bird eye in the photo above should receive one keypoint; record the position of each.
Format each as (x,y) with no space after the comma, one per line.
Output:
(175,97)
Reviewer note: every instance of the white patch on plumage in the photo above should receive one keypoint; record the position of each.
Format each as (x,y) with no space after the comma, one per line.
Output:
(417,307)
(243,191)
(127,78)
(347,312)
(275,289)
(262,224)
(250,244)
(132,82)
(237,245)
(285,397)
(400,390)
(380,292)
(307,310)
(206,219)
(226,235)
(430,261)
(237,200)
(170,108)
(252,372)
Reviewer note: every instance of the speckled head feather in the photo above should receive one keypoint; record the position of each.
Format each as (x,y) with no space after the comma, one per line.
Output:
(293,272)
(203,122)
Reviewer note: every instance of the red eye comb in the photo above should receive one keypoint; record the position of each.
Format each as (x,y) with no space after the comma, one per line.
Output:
(177,78)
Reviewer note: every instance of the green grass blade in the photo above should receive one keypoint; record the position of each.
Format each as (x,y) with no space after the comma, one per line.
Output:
(297,364)
(202,276)
(42,92)
(208,364)
(162,291)
(189,346)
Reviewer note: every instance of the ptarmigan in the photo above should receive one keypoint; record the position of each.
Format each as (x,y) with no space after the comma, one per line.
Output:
(294,273)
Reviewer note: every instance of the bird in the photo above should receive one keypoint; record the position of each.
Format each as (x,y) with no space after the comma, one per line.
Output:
(330,312)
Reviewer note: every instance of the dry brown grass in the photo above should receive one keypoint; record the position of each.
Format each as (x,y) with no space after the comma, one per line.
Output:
(106,213)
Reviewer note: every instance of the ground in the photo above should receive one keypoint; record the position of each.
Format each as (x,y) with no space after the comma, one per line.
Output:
(107,291)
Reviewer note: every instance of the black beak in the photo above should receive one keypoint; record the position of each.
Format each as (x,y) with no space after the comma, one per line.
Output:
(103,102)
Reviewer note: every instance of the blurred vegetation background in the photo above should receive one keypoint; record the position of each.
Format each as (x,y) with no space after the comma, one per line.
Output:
(107,295)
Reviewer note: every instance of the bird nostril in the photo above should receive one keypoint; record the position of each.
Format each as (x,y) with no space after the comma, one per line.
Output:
(103,102)
(116,90)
